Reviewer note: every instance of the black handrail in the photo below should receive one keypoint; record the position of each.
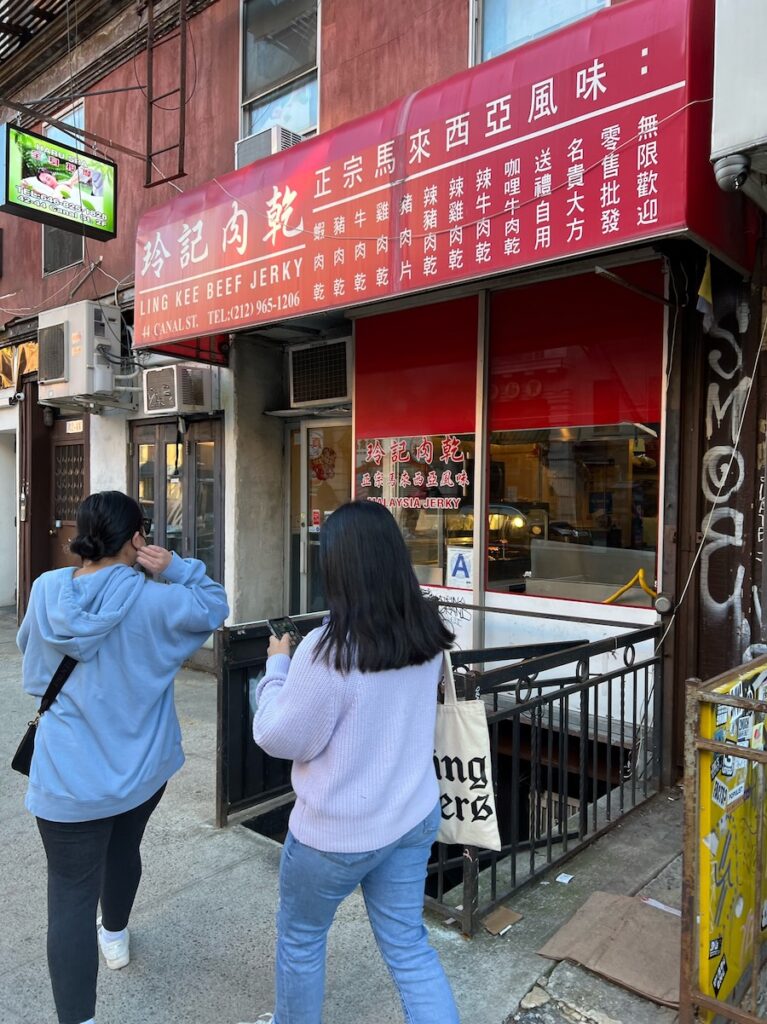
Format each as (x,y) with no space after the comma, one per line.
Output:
(488,682)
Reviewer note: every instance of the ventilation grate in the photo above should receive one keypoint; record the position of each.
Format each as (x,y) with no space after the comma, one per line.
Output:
(319,374)
(161,389)
(190,385)
(68,481)
(52,353)
(99,326)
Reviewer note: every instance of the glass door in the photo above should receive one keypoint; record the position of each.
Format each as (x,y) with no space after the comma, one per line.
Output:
(178,482)
(320,480)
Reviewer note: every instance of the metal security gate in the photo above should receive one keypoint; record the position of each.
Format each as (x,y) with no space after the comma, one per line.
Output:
(247,779)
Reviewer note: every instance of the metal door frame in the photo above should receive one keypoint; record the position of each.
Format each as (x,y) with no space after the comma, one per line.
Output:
(156,432)
(303,425)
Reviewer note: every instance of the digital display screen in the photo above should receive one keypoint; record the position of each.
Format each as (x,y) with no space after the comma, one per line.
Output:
(57,185)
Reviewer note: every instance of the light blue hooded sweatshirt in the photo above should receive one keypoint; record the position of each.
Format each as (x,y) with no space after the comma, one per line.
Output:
(111,738)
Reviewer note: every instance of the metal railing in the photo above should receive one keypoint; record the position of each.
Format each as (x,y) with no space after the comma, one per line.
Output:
(572,751)
(247,779)
(724,891)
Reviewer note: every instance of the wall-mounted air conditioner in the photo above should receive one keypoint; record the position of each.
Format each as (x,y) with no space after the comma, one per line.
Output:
(320,373)
(182,389)
(266,143)
(79,352)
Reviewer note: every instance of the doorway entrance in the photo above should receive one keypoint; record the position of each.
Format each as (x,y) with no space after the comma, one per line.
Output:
(54,477)
(320,481)
(68,487)
(177,479)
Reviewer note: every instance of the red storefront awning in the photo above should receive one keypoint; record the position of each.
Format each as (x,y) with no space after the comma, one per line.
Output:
(592,138)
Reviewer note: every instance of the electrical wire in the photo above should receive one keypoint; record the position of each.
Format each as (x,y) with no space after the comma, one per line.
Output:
(80,275)
(94,264)
(22,311)
(45,100)
(707,522)
(714,504)
(670,363)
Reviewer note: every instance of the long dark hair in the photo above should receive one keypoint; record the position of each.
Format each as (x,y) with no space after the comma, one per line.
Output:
(105,521)
(379,618)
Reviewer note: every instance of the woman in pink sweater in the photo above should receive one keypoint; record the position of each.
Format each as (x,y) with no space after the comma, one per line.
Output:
(354,710)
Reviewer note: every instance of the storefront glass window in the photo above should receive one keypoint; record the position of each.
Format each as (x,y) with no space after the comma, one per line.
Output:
(576,380)
(427,484)
(574,511)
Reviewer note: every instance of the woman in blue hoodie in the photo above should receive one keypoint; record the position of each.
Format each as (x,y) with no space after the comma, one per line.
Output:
(111,740)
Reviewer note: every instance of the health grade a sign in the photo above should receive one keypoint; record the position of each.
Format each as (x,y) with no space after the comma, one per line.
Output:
(57,185)
(591,138)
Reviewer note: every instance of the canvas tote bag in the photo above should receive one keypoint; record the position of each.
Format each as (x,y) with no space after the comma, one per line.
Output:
(464,770)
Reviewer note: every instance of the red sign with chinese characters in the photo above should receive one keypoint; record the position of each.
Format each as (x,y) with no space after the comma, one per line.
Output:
(577,142)
(410,472)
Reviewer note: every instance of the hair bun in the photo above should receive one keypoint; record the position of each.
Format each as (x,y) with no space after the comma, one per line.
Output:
(88,547)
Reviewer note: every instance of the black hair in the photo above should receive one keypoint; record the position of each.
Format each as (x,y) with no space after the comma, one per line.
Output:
(105,521)
(379,617)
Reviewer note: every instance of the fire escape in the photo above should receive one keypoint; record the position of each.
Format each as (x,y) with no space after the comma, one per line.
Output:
(172,139)
(52,29)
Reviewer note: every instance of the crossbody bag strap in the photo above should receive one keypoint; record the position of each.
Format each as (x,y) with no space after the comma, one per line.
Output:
(62,673)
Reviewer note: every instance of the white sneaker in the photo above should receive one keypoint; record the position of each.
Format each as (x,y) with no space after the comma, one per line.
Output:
(116,954)
(265,1018)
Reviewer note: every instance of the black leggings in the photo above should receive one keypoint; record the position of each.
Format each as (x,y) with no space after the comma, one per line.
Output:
(88,861)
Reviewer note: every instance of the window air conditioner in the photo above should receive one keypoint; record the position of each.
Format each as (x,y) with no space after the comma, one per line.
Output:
(79,351)
(320,374)
(266,143)
(181,388)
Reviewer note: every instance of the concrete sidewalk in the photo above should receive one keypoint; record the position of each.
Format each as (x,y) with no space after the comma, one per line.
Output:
(203,924)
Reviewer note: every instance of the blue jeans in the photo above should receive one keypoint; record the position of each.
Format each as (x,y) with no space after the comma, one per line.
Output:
(313,884)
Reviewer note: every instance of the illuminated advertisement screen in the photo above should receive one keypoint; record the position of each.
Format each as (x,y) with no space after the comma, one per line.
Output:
(57,185)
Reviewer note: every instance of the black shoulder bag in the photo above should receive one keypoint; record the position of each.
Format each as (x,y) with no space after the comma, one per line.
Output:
(22,759)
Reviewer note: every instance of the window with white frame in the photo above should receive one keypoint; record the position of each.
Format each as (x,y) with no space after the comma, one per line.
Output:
(62,249)
(279,65)
(504,24)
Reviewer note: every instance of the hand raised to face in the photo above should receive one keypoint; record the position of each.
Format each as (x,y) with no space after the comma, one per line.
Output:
(153,558)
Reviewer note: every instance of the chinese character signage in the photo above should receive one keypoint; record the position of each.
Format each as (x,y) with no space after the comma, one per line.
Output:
(430,472)
(57,185)
(575,143)
(426,483)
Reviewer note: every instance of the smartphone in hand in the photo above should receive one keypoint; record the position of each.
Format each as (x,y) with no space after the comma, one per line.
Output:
(286,625)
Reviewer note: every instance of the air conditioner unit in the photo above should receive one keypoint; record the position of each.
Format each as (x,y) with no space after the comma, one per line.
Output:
(79,352)
(320,374)
(182,389)
(266,143)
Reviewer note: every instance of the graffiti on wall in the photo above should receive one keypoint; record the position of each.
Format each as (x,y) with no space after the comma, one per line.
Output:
(730,600)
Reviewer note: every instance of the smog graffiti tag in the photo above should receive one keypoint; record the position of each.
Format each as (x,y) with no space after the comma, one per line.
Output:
(723,473)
